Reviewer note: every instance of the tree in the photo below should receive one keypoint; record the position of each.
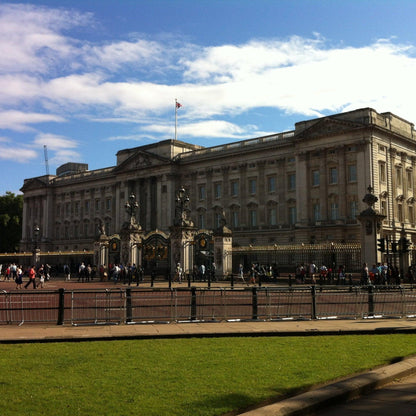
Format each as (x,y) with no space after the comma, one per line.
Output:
(11,211)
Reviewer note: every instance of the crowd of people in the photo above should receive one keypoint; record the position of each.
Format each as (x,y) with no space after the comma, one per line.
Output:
(37,276)
(378,274)
(322,274)
(386,274)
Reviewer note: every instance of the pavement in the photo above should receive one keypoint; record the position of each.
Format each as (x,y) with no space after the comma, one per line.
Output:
(392,388)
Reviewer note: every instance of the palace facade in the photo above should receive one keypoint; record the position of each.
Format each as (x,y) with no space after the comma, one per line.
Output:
(299,186)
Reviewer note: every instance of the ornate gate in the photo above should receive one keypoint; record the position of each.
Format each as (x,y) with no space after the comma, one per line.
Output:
(204,251)
(155,253)
(114,250)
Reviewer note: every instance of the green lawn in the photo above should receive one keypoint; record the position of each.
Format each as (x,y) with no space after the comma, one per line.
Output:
(209,376)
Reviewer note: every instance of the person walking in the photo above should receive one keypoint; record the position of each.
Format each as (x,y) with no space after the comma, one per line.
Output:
(19,278)
(365,275)
(32,277)
(67,272)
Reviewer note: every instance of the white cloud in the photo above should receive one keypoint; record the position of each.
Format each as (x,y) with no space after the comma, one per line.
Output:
(19,121)
(17,154)
(205,129)
(114,55)
(31,37)
(136,80)
(63,156)
(55,142)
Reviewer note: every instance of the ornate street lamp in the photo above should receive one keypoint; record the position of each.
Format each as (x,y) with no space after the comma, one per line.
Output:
(36,232)
(182,209)
(131,207)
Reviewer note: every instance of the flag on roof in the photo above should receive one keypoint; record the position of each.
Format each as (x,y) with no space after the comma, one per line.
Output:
(178,105)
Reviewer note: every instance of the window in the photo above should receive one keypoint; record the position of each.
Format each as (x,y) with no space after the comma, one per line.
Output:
(382,172)
(273,216)
(58,210)
(76,229)
(292,215)
(333,176)
(252,186)
(201,220)
(315,177)
(354,209)
(316,211)
(86,229)
(400,212)
(235,219)
(383,207)
(234,188)
(67,209)
(201,192)
(97,205)
(108,204)
(271,184)
(291,182)
(409,179)
(217,220)
(77,208)
(252,217)
(352,173)
(217,190)
(411,214)
(398,176)
(334,211)
(87,207)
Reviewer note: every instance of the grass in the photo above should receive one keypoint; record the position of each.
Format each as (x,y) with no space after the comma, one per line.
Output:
(180,377)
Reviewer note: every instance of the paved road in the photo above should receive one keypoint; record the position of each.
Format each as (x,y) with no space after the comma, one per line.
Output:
(397,398)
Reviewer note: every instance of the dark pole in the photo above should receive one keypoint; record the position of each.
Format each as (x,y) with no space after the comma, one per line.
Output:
(36,232)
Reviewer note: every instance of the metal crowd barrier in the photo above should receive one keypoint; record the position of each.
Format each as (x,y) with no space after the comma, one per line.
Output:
(147,305)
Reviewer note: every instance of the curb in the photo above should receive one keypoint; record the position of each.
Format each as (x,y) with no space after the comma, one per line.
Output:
(339,392)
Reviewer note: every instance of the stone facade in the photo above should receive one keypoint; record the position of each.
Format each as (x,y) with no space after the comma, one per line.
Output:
(304,185)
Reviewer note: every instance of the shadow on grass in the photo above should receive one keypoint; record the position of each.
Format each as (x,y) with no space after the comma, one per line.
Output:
(239,403)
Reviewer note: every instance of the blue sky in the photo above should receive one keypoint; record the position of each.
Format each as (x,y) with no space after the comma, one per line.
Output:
(87,78)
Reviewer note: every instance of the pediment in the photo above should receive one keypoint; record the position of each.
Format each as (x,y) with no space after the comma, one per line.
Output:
(142,160)
(328,127)
(33,184)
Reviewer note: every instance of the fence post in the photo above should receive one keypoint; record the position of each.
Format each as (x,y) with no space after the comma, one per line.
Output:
(129,309)
(193,304)
(232,281)
(313,294)
(61,306)
(370,300)
(255,304)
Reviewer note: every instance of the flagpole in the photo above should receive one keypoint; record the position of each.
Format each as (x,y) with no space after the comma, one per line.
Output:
(176,117)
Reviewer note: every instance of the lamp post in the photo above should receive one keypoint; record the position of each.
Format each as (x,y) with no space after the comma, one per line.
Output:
(36,232)
(131,207)
(182,209)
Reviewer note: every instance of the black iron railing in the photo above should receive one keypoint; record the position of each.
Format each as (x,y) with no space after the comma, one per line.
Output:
(142,305)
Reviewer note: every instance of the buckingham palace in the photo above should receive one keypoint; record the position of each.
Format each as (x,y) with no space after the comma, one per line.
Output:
(301,186)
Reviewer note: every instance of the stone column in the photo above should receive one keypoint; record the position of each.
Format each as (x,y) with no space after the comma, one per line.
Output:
(182,248)
(370,231)
(101,250)
(223,252)
(182,234)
